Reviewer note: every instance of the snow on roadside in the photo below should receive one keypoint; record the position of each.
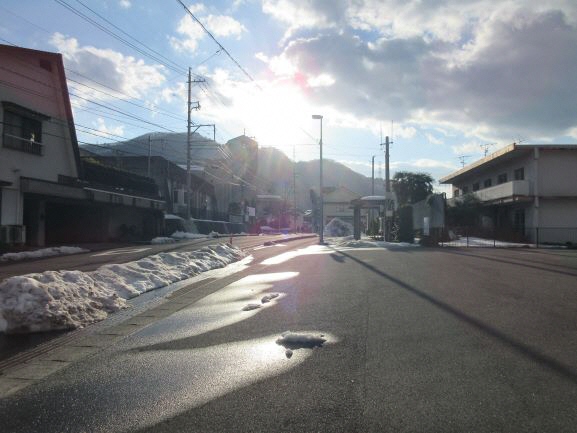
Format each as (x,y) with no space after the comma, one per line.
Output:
(187,235)
(55,300)
(162,240)
(366,243)
(44,252)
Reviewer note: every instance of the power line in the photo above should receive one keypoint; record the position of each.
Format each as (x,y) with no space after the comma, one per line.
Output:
(224,50)
(106,30)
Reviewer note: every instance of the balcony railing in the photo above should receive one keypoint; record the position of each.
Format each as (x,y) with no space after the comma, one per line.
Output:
(504,190)
(507,190)
(21,144)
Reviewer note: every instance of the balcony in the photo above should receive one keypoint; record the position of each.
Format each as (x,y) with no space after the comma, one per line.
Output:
(505,192)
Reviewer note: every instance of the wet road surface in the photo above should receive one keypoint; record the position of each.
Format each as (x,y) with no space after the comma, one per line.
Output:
(417,340)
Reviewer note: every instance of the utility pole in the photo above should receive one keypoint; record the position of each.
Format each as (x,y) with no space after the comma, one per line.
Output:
(462,159)
(322,205)
(294,190)
(149,152)
(388,199)
(373,176)
(188,139)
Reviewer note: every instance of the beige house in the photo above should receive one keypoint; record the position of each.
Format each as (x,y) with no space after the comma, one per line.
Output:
(337,204)
(527,189)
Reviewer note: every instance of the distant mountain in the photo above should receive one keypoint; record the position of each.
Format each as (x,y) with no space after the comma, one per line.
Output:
(275,169)
(276,176)
(171,146)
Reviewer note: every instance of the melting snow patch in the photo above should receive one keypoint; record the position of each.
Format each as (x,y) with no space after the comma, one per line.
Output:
(294,340)
(268,298)
(337,227)
(250,307)
(187,235)
(162,240)
(45,252)
(56,300)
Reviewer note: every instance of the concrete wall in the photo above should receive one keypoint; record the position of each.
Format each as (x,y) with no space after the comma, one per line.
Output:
(558,172)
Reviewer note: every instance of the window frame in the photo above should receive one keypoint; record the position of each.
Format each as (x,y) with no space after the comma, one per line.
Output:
(17,122)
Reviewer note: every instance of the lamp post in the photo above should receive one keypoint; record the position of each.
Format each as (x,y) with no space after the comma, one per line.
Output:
(321,229)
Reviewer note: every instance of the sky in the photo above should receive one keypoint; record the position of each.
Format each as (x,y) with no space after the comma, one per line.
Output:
(443,78)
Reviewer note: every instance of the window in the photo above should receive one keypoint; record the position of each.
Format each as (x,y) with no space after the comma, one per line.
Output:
(502,178)
(456,193)
(175,196)
(520,174)
(487,183)
(476,186)
(465,189)
(22,129)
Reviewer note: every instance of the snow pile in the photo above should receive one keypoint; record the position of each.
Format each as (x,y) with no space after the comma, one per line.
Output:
(187,235)
(250,307)
(162,240)
(70,299)
(358,244)
(45,252)
(337,227)
(54,300)
(294,340)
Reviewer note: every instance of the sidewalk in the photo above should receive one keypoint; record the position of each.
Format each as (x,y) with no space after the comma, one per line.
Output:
(27,358)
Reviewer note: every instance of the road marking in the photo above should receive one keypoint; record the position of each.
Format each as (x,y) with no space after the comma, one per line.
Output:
(123,251)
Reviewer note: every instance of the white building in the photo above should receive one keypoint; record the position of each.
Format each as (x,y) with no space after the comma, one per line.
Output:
(527,189)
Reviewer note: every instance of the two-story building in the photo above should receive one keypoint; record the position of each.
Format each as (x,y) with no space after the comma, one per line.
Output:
(44,194)
(526,189)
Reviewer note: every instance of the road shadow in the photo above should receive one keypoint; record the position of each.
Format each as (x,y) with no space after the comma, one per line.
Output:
(525,350)
(337,258)
(512,262)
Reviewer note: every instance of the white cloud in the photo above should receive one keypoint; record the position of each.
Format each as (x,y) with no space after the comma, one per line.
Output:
(125,73)
(114,131)
(190,32)
(125,4)
(467,148)
(322,80)
(432,139)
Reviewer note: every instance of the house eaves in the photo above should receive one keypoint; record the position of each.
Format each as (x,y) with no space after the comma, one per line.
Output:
(487,161)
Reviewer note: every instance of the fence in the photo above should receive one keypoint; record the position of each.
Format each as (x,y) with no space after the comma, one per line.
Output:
(501,238)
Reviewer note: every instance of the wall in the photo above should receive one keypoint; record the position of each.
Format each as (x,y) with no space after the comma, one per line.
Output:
(558,173)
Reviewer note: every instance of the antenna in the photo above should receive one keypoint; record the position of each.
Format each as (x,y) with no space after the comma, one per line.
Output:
(486,147)
(462,159)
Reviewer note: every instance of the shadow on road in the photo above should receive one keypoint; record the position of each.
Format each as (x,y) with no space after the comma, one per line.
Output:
(520,347)
(512,262)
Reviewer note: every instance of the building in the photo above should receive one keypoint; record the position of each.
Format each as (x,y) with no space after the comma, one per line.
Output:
(337,204)
(45,196)
(171,180)
(527,192)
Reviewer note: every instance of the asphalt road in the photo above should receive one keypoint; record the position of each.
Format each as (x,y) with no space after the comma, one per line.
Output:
(418,340)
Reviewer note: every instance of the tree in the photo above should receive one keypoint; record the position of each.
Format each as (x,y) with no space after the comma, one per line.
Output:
(465,212)
(412,187)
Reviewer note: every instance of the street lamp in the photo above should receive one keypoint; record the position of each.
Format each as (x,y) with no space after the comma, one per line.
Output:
(321,237)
